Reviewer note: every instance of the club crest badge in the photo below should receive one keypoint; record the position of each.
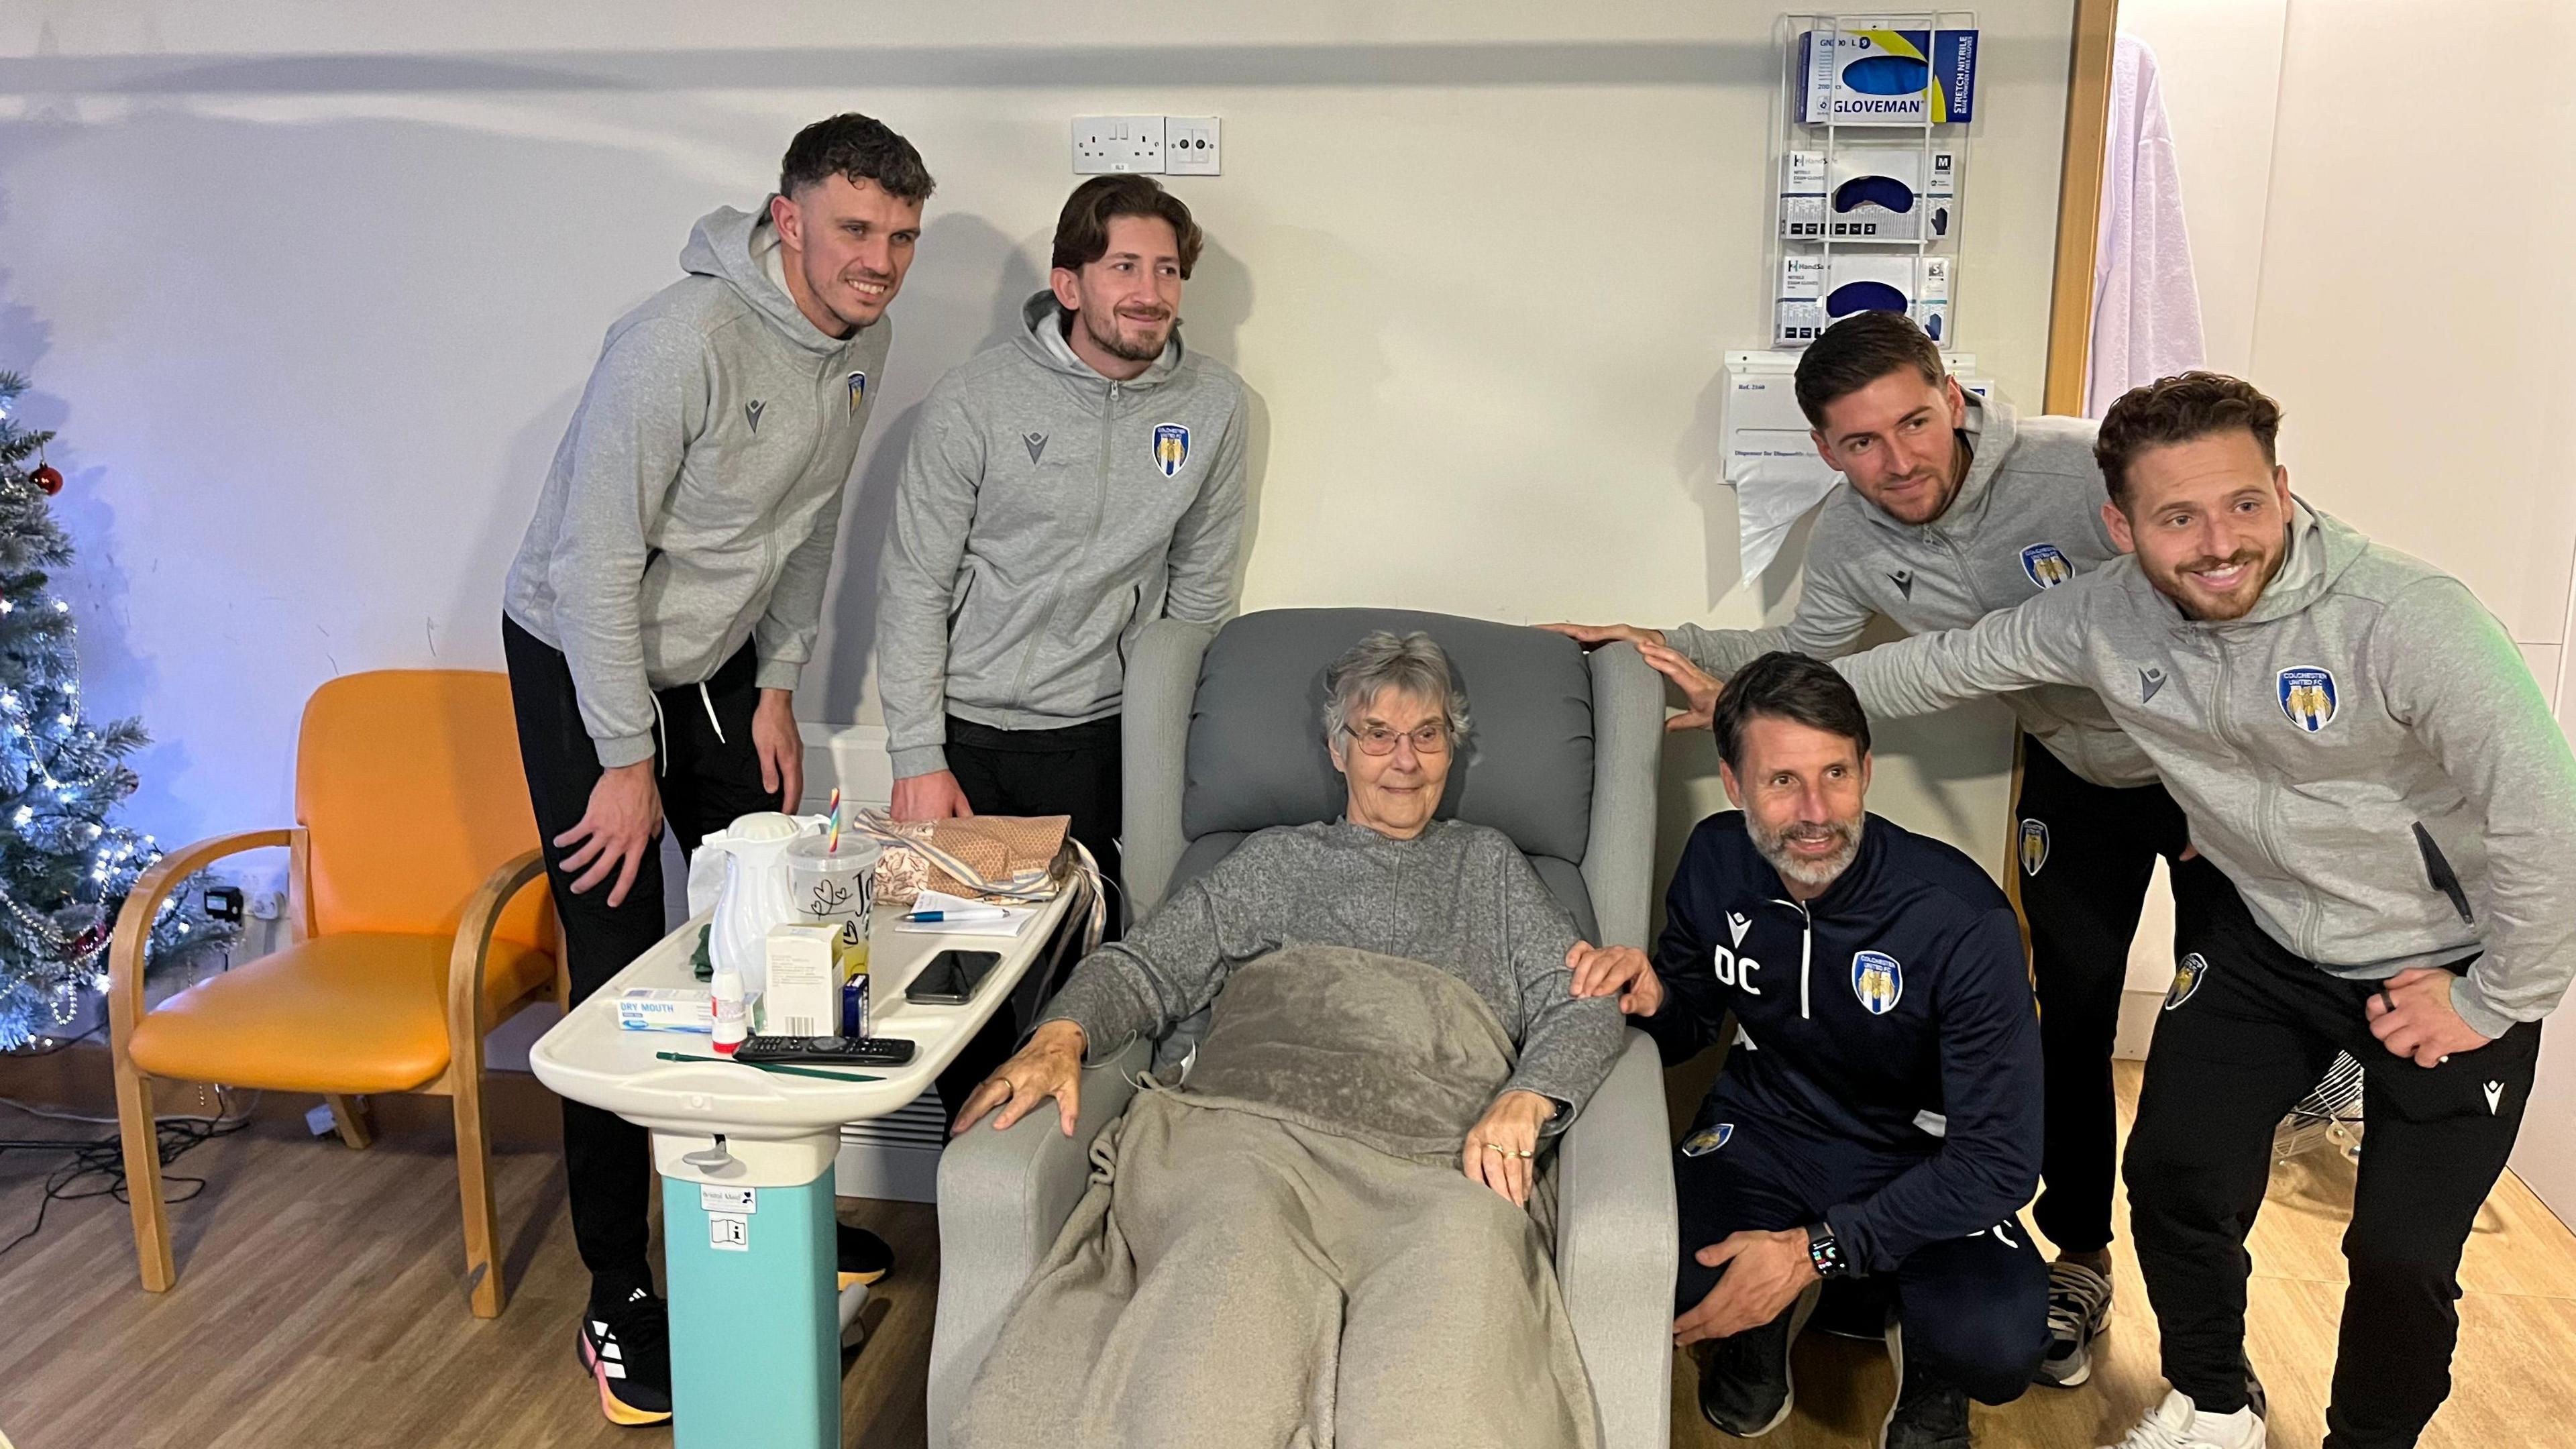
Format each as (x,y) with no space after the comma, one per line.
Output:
(2046,565)
(2034,846)
(1707,1139)
(2188,974)
(1877,981)
(2308,697)
(858,390)
(1171,447)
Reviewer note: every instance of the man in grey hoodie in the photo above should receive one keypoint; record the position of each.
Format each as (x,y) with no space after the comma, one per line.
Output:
(1955,507)
(1064,490)
(665,602)
(2386,820)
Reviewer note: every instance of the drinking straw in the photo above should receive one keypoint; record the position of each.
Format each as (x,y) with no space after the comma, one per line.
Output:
(832,846)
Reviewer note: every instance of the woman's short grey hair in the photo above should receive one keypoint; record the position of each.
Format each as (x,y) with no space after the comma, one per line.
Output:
(1411,664)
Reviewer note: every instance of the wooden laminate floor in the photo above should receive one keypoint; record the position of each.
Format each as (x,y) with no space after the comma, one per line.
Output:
(2514,1375)
(320,1306)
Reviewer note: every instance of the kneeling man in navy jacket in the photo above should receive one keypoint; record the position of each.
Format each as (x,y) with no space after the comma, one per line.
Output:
(1879,1116)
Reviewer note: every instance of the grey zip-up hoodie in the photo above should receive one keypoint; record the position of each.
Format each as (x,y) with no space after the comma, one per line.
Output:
(695,500)
(2027,517)
(1046,515)
(2364,754)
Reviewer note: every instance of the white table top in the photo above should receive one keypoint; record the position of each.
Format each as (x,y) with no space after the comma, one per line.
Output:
(590,1058)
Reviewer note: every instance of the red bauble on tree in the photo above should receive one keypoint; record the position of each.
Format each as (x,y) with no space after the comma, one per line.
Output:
(47,477)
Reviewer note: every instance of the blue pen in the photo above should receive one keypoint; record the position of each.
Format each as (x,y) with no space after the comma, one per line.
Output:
(994,914)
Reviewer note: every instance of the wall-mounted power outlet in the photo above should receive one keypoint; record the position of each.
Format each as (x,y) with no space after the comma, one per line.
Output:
(1189,145)
(1103,144)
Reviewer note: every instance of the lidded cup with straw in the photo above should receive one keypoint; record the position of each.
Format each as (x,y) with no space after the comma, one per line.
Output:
(834,880)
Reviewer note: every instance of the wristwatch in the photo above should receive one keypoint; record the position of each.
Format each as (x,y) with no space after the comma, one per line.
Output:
(1825,1251)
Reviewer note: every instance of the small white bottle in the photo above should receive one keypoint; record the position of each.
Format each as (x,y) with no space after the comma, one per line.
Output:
(731,1019)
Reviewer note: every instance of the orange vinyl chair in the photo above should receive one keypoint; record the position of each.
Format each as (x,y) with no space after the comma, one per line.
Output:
(412,933)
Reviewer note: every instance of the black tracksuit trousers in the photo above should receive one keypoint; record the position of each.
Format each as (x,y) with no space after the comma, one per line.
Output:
(2246,1032)
(709,774)
(2086,853)
(1071,771)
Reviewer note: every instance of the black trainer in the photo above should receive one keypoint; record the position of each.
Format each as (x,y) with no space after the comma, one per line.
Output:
(1927,1414)
(1746,1387)
(625,1347)
(864,1257)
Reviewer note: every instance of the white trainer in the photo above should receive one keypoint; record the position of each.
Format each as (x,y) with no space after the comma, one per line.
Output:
(2177,1424)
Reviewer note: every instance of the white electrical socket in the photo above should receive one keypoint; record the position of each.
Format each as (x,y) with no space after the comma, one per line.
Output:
(1104,144)
(1189,144)
(267,905)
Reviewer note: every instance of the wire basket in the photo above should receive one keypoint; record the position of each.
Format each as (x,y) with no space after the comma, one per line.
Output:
(2329,1115)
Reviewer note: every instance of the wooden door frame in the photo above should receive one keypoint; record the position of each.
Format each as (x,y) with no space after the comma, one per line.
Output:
(2070,303)
(2079,203)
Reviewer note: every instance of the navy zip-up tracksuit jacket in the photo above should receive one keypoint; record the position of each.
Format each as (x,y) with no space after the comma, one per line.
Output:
(1891,1016)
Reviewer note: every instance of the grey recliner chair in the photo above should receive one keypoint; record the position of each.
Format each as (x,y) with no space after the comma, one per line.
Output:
(1224,736)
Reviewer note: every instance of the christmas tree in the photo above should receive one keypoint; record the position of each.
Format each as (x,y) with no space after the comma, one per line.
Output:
(65,865)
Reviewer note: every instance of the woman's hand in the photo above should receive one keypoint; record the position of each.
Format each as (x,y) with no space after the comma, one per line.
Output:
(1503,1143)
(1049,1066)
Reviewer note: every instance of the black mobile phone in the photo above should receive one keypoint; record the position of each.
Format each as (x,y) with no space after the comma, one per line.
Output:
(951,977)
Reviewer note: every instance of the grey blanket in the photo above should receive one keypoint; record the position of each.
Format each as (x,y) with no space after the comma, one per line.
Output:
(1285,1252)
(1458,896)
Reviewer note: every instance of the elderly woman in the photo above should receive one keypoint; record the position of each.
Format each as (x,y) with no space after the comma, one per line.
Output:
(1325,1235)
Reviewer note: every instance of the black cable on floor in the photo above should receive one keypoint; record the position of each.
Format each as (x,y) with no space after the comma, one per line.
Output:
(103,1159)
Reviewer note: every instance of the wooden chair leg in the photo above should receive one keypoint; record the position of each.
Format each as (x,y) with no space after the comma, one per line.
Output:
(474,1186)
(142,1139)
(351,1116)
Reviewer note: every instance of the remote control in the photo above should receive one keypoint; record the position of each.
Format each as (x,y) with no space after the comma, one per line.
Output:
(865,1051)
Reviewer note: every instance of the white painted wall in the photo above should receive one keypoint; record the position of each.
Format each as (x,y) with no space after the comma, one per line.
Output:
(2413,328)
(312,288)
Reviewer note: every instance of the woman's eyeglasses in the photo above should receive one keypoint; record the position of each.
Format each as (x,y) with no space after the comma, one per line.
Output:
(1430,739)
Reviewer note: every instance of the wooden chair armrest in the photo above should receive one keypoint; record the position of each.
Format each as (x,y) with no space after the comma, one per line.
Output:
(473,951)
(134,919)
